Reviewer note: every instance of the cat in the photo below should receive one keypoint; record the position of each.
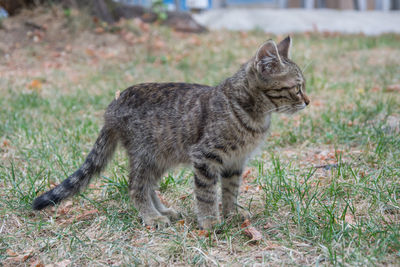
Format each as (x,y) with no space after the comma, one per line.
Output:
(215,129)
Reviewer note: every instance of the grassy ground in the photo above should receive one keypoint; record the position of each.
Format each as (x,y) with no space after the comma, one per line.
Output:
(324,190)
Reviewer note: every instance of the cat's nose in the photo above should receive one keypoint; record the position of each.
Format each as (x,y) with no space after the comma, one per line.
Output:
(306,100)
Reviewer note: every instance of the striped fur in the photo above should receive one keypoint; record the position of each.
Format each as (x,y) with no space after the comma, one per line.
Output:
(215,129)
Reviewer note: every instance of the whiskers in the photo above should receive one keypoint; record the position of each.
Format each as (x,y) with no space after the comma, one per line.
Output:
(306,66)
(290,109)
(281,109)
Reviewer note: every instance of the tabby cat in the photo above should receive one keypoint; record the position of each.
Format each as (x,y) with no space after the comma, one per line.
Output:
(215,129)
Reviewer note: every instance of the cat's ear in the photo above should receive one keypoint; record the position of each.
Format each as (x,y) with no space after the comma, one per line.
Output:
(268,52)
(284,47)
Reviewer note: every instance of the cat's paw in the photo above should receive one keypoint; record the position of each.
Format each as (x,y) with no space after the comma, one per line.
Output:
(172,214)
(209,223)
(158,222)
(239,215)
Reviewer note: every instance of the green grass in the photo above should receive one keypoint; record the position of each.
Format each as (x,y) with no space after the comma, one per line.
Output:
(346,215)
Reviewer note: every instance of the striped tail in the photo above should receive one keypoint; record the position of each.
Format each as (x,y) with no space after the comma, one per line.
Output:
(97,159)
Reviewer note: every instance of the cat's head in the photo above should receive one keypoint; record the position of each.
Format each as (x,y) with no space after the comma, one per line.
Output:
(279,78)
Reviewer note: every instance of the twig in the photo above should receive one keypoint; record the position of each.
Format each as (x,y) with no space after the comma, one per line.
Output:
(326,167)
(34,26)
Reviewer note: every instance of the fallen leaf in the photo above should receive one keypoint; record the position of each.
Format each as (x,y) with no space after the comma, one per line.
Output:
(81,217)
(274,134)
(245,188)
(11,253)
(159,44)
(90,52)
(376,89)
(181,222)
(246,173)
(183,197)
(251,231)
(16,258)
(271,246)
(317,103)
(35,84)
(65,208)
(86,214)
(393,88)
(202,233)
(6,143)
(37,263)
(99,30)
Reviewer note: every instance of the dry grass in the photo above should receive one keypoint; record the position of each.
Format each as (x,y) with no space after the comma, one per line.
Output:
(55,86)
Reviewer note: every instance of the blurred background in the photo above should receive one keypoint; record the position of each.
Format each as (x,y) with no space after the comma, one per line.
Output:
(308,4)
(274,16)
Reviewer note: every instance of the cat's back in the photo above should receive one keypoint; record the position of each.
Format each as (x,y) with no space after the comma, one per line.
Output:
(163,99)
(159,93)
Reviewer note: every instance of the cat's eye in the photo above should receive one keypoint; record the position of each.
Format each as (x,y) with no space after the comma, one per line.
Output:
(298,89)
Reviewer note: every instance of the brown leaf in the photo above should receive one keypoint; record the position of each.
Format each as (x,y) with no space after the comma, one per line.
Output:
(15,258)
(65,208)
(159,44)
(80,217)
(90,52)
(376,89)
(251,231)
(271,246)
(87,214)
(35,84)
(11,253)
(99,30)
(245,188)
(393,88)
(246,173)
(37,263)
(6,143)
(181,222)
(183,197)
(202,233)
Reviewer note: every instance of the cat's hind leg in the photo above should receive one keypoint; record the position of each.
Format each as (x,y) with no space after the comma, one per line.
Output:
(169,212)
(142,193)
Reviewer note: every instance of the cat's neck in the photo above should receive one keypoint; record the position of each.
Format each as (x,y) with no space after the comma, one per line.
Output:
(251,100)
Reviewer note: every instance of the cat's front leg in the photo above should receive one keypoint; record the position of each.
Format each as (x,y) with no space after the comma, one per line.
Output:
(230,184)
(205,190)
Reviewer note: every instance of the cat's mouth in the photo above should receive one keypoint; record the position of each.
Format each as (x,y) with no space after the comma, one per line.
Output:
(292,108)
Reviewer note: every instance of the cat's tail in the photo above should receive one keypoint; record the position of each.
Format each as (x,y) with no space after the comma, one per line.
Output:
(97,159)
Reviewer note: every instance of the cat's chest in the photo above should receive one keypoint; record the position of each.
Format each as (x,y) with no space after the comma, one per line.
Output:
(249,142)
